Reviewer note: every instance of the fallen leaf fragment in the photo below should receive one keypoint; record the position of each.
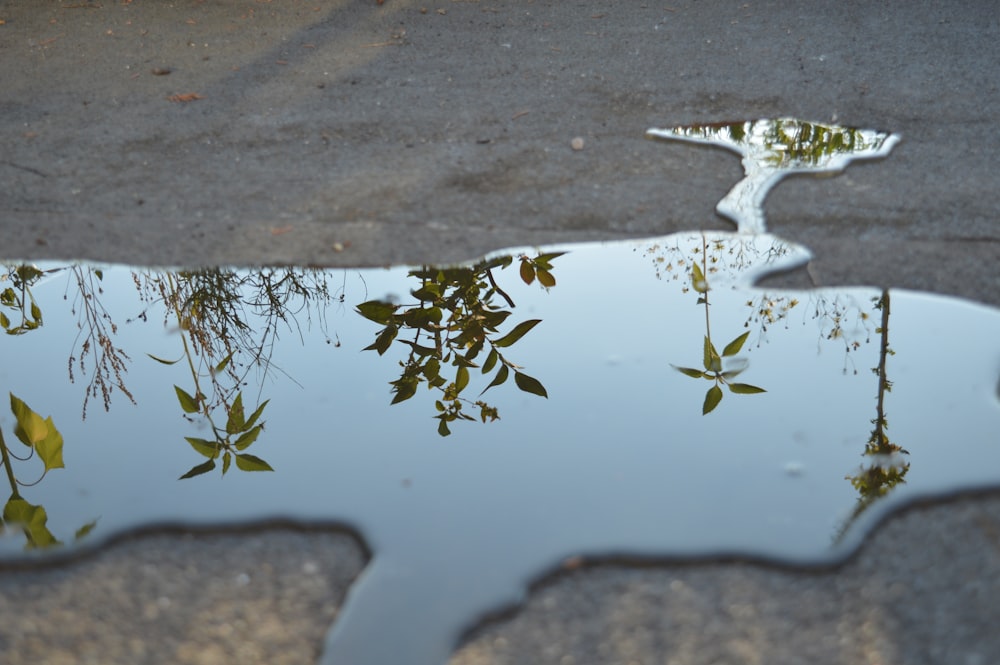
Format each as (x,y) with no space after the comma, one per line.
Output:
(280,230)
(185,97)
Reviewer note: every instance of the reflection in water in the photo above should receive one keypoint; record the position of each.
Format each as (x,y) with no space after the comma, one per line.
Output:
(469,296)
(887,463)
(622,458)
(612,461)
(773,149)
(722,368)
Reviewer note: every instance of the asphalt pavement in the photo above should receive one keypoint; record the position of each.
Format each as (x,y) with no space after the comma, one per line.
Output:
(348,133)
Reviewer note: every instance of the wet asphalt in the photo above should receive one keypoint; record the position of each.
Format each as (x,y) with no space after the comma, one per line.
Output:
(350,133)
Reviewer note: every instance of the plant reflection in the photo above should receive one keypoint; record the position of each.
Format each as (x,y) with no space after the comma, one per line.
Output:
(455,318)
(726,258)
(887,466)
(712,361)
(229,322)
(41,437)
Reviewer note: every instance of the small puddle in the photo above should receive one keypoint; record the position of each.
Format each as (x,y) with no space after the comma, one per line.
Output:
(774,149)
(481,425)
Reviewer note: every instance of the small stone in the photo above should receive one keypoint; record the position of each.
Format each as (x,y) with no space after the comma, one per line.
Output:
(338,246)
(577,143)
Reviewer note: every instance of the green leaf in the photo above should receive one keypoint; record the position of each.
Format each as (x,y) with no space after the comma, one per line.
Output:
(247,438)
(432,369)
(461,379)
(499,378)
(227,459)
(545,278)
(462,361)
(694,373)
(474,351)
(418,349)
(164,362)
(4,321)
(188,403)
(712,399)
(31,428)
(443,427)
(745,389)
(421,317)
(255,415)
(527,271)
(225,361)
(404,388)
(383,341)
(545,260)
(204,447)
(51,447)
(248,462)
(36,313)
(734,346)
(378,311)
(712,360)
(529,384)
(491,361)
(32,520)
(429,292)
(519,331)
(698,281)
(204,467)
(493,318)
(236,420)
(84,530)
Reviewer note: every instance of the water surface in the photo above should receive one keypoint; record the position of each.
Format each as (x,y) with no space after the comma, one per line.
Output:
(478,425)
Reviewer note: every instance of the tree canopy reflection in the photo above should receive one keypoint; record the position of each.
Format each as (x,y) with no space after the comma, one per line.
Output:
(774,148)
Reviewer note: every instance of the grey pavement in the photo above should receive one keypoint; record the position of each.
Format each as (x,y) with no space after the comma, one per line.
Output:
(349,133)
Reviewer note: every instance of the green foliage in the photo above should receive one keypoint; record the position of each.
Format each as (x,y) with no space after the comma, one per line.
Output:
(32,520)
(713,370)
(44,440)
(230,441)
(38,434)
(457,317)
(18,299)
(715,364)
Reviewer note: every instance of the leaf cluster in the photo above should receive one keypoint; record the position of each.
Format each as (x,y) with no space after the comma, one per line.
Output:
(455,320)
(230,441)
(18,298)
(715,372)
(43,439)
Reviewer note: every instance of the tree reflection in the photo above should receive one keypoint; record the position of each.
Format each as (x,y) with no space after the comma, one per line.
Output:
(773,149)
(455,318)
(887,467)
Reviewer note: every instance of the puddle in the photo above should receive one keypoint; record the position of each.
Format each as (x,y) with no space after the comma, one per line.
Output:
(478,426)
(774,149)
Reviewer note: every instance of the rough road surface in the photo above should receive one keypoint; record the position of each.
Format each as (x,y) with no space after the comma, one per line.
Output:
(350,133)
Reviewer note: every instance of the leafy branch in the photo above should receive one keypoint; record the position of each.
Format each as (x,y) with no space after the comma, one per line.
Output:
(43,439)
(714,369)
(453,321)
